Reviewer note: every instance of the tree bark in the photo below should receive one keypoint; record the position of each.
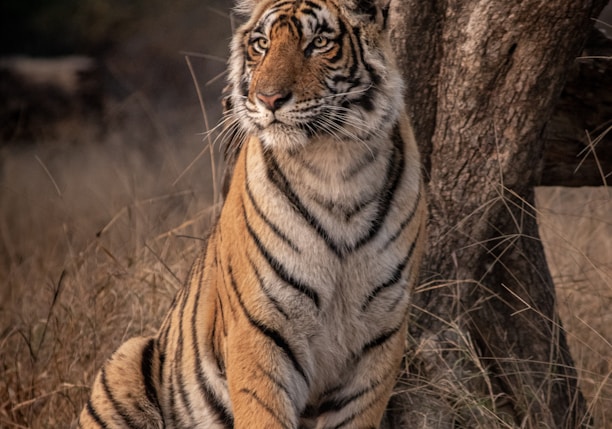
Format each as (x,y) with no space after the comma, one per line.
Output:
(483,77)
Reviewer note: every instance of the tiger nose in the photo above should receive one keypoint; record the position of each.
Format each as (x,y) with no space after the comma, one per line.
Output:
(273,102)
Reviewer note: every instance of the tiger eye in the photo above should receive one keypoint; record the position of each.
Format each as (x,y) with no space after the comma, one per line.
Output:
(261,44)
(320,42)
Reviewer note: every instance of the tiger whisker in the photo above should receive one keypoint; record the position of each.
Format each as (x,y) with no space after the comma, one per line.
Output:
(352,92)
(332,127)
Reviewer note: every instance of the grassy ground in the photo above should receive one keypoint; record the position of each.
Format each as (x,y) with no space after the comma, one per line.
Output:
(94,242)
(99,224)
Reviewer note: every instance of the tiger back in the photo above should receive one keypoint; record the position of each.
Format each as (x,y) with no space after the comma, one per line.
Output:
(296,313)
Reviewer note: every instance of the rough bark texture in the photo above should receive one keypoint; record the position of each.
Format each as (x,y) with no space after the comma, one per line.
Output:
(483,78)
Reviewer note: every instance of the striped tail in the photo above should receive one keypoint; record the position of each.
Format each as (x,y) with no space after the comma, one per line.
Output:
(124,394)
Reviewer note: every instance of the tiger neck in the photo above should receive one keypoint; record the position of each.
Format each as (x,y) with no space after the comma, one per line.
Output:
(336,168)
(346,206)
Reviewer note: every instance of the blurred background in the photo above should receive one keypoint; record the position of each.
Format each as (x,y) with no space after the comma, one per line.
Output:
(108,186)
(107,183)
(92,59)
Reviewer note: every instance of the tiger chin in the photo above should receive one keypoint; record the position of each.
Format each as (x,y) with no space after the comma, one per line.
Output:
(296,314)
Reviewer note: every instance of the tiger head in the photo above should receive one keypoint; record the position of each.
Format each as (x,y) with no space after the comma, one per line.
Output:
(307,69)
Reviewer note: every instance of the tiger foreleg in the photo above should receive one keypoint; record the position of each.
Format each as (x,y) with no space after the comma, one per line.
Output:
(267,387)
(362,400)
(124,391)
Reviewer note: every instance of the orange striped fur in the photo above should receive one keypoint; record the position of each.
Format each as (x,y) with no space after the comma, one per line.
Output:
(296,315)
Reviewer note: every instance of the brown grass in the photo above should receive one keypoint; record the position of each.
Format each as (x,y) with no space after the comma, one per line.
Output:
(94,241)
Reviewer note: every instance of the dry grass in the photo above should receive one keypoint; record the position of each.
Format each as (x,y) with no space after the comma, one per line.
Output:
(94,241)
(450,385)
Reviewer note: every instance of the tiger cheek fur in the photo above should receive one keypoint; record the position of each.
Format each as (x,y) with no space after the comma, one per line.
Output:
(296,314)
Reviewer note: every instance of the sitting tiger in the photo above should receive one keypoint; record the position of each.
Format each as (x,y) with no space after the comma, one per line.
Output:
(296,314)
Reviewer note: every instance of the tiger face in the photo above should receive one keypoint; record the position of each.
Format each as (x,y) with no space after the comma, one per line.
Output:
(310,69)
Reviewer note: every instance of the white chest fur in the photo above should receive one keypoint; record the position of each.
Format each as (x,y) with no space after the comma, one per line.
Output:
(338,209)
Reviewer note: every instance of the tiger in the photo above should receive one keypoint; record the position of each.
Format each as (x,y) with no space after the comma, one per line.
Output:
(295,314)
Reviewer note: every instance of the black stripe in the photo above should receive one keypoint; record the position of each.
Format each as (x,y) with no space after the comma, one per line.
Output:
(345,213)
(393,280)
(338,55)
(297,25)
(172,404)
(162,361)
(312,5)
(178,365)
(305,164)
(222,313)
(94,415)
(349,212)
(273,300)
(293,25)
(276,382)
(367,7)
(213,335)
(307,11)
(362,410)
(381,339)
(393,179)
(272,334)
(405,222)
(266,220)
(366,98)
(352,71)
(276,7)
(349,419)
(265,406)
(164,332)
(385,14)
(278,179)
(279,269)
(225,284)
(244,89)
(336,405)
(366,160)
(218,408)
(218,267)
(323,26)
(146,367)
(373,75)
(119,409)
(396,301)
(310,412)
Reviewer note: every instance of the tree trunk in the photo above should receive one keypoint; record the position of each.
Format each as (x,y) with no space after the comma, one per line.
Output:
(487,348)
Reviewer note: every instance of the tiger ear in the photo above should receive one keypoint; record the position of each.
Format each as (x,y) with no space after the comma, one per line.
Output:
(246,8)
(377,11)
